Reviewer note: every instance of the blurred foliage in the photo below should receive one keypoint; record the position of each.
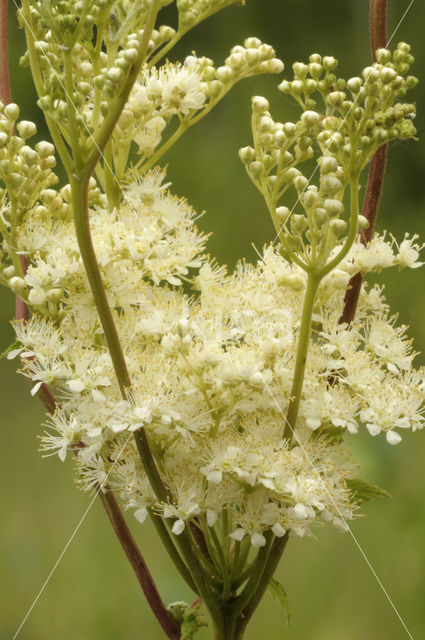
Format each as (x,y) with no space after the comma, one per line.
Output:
(332,592)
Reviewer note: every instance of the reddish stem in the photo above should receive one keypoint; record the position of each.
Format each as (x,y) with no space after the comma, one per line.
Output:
(378,40)
(112,508)
(5,91)
(131,550)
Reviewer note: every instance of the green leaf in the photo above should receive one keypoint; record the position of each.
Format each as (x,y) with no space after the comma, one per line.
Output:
(188,617)
(363,491)
(278,592)
(12,347)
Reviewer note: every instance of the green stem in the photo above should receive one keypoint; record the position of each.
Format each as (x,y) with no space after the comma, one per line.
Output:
(313,281)
(276,551)
(257,572)
(79,188)
(174,555)
(103,136)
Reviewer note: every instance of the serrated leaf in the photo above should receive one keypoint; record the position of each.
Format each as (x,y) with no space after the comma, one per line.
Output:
(192,622)
(363,491)
(16,345)
(278,592)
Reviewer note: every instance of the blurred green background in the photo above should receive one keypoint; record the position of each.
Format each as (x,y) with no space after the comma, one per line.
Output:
(93,594)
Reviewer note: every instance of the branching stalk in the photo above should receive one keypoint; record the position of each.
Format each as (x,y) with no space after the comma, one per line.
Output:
(378,40)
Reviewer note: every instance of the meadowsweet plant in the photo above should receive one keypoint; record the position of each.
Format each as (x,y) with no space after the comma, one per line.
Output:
(220,405)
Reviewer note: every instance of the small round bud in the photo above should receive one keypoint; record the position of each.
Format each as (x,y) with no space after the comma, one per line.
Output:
(338,226)
(320,216)
(236,61)
(282,214)
(331,184)
(17,284)
(289,129)
(26,129)
(252,43)
(300,70)
(9,271)
(275,66)
(296,282)
(363,223)
(329,62)
(131,55)
(48,196)
(383,56)
(11,111)
(260,104)
(45,149)
(354,85)
(310,118)
(315,70)
(333,207)
(54,295)
(37,296)
(224,74)
(298,223)
(300,183)
(4,138)
(256,169)
(247,154)
(14,180)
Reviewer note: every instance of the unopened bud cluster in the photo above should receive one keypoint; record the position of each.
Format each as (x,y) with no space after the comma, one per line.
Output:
(346,131)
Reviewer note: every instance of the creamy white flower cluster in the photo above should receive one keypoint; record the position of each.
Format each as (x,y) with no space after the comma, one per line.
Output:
(212,377)
(186,91)
(151,237)
(212,371)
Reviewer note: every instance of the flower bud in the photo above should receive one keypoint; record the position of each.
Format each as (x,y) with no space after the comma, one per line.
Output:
(224,74)
(333,207)
(310,118)
(363,223)
(283,213)
(17,284)
(296,282)
(37,296)
(45,149)
(260,104)
(11,111)
(26,129)
(338,226)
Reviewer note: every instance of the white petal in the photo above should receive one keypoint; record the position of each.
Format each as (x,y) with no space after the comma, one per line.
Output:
(238,534)
(36,387)
(76,385)
(117,428)
(15,352)
(215,477)
(313,423)
(98,396)
(178,527)
(258,540)
(393,437)
(269,484)
(62,453)
(211,517)
(301,511)
(141,514)
(373,429)
(278,530)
